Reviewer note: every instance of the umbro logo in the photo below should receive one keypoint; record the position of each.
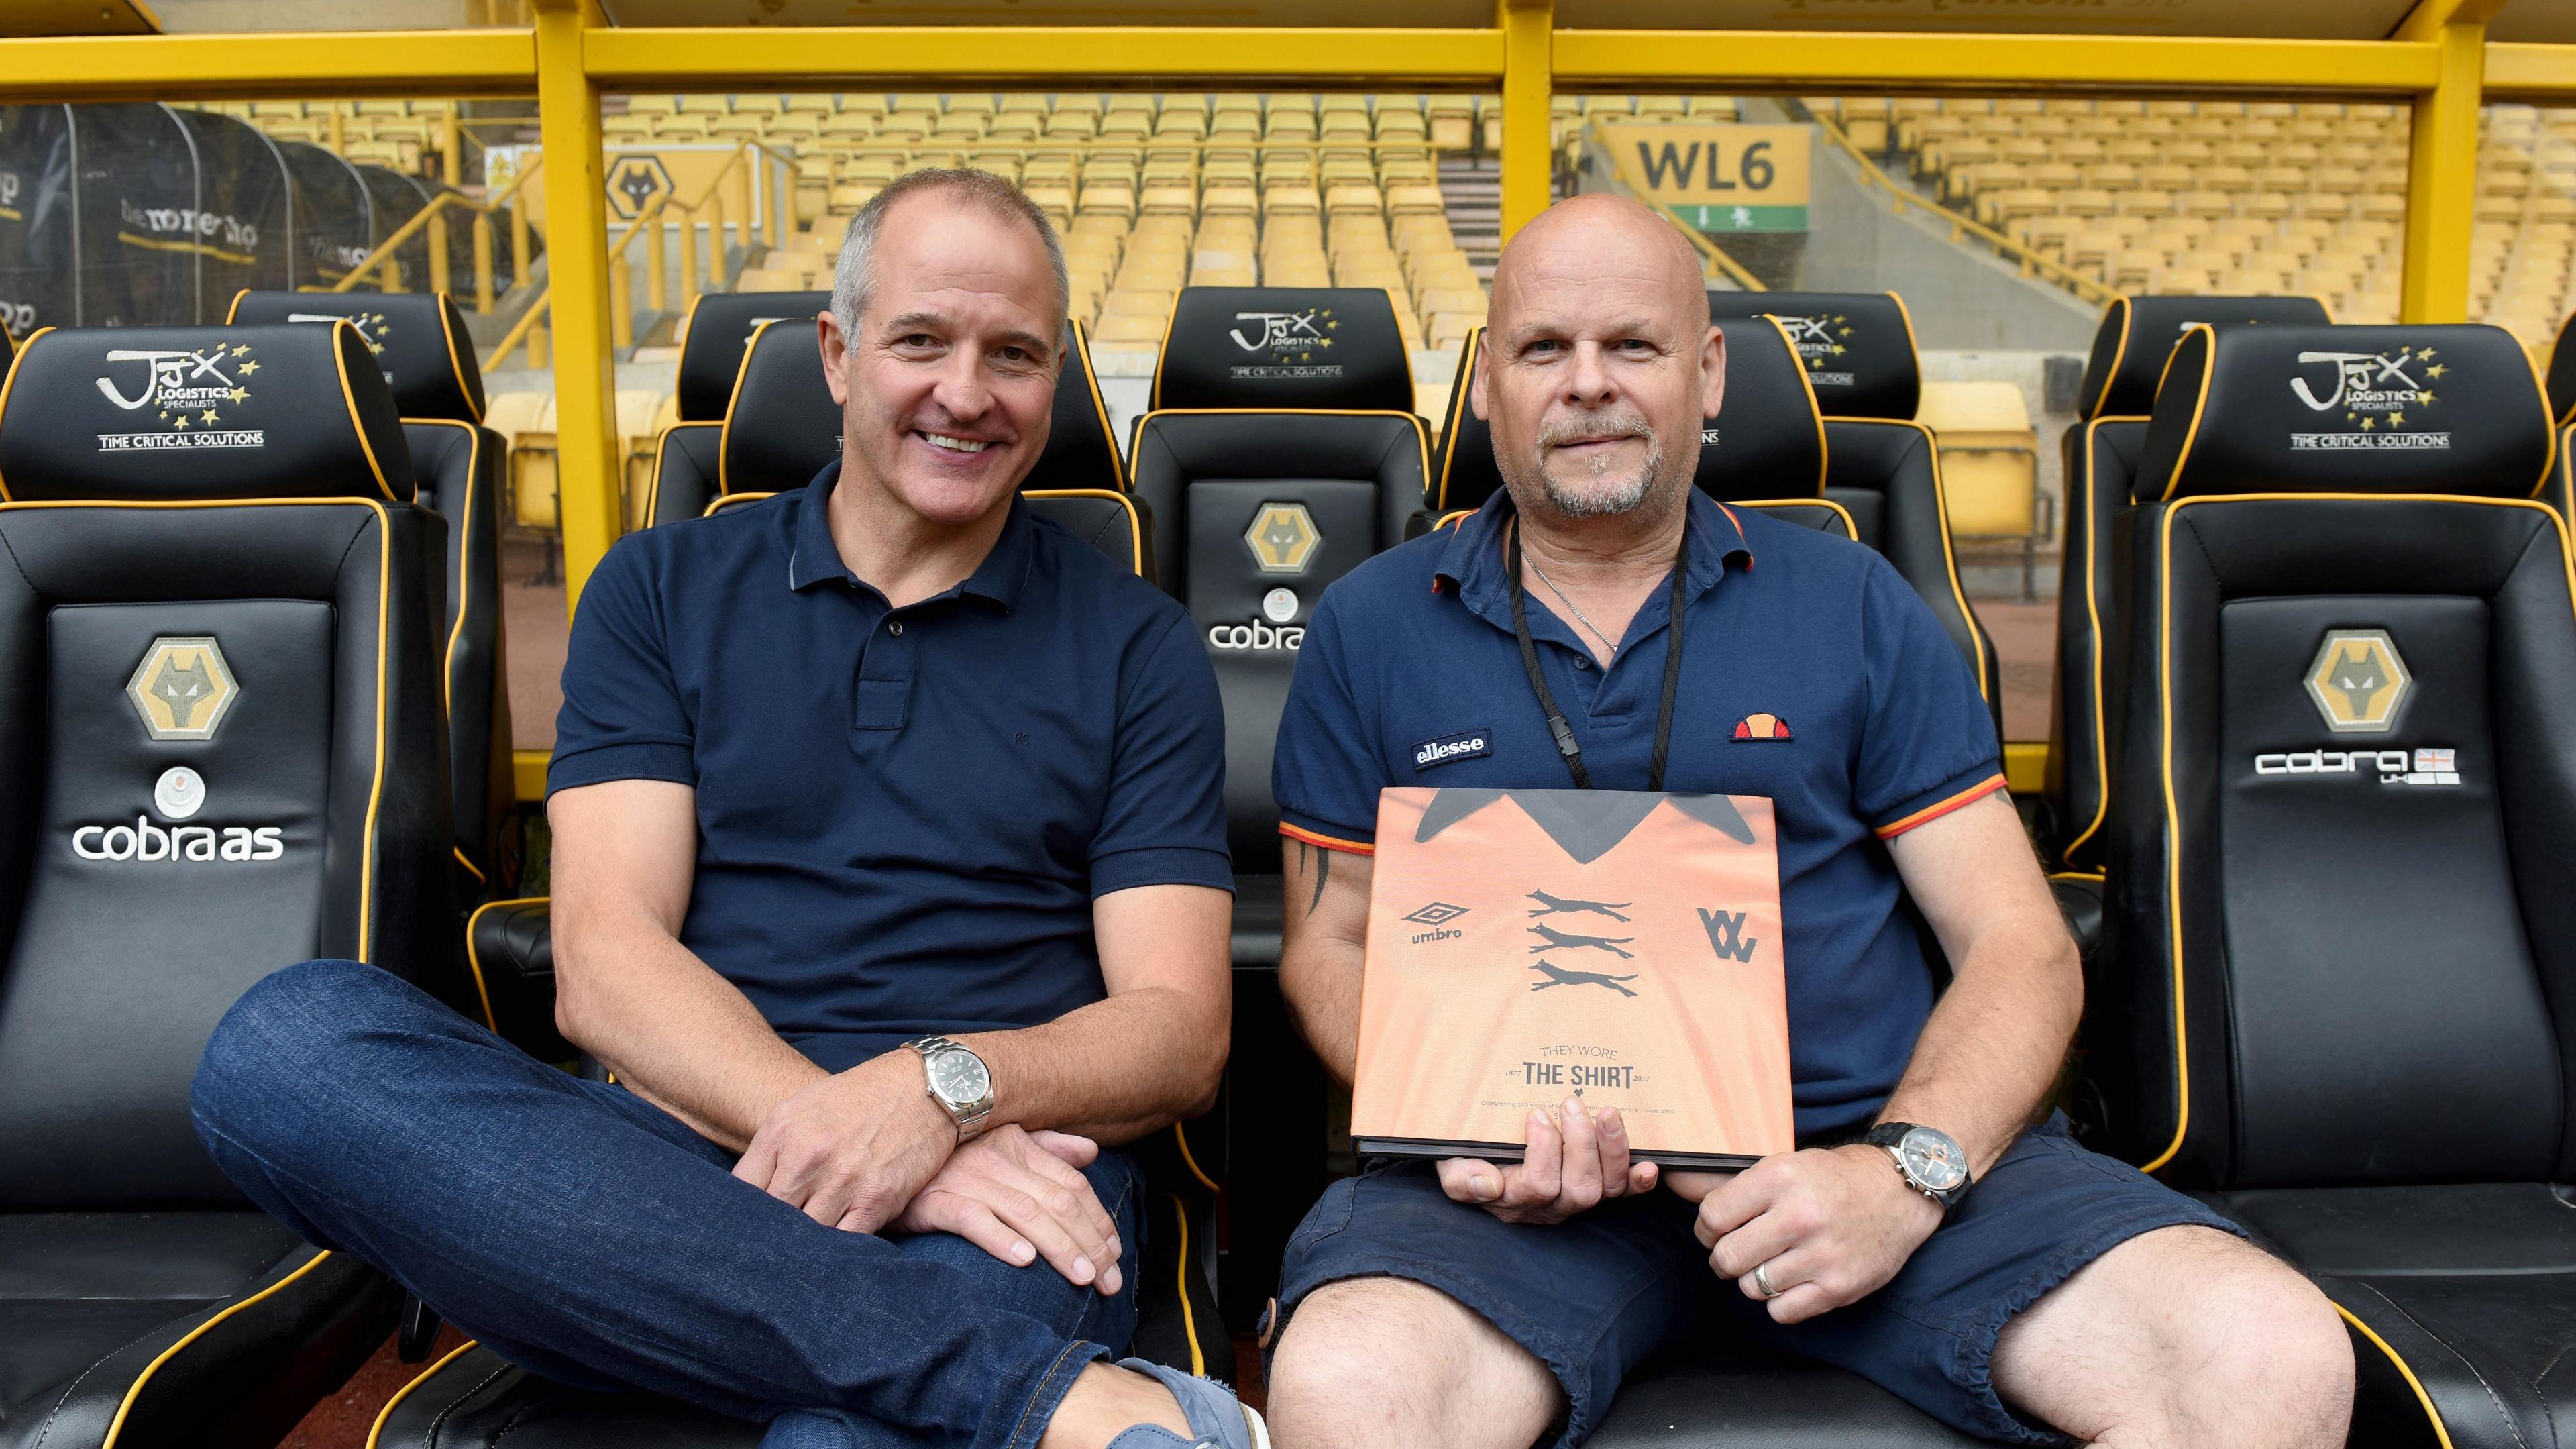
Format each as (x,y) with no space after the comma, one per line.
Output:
(1437,916)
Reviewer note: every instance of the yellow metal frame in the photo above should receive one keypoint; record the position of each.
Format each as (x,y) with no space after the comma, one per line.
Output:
(2438,63)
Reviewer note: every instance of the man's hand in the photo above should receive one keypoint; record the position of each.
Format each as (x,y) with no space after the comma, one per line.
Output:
(855,1148)
(1577,1157)
(1828,1227)
(1019,1195)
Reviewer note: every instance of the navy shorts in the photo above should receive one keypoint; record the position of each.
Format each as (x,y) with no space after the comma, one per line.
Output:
(1595,1296)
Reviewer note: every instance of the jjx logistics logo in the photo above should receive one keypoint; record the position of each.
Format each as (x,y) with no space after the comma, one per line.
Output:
(1821,342)
(190,392)
(2385,398)
(1290,342)
(1283,539)
(2357,682)
(181,691)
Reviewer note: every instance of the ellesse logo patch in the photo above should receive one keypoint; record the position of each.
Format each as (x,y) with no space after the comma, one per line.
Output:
(1466,745)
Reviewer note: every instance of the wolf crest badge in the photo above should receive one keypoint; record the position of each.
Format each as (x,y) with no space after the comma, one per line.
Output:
(182,689)
(2358,681)
(1283,538)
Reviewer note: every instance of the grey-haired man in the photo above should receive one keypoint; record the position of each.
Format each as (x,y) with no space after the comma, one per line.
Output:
(891,882)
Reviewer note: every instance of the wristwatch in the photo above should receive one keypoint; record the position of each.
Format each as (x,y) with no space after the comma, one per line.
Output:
(1929,1159)
(959,1082)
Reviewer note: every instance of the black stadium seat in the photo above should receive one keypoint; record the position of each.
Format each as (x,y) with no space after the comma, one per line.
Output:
(2338,998)
(220,752)
(1281,451)
(2101,453)
(713,339)
(420,343)
(786,378)
(2561,386)
(1858,350)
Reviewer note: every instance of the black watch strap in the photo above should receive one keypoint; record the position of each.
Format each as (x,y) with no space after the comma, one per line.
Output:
(1891,1136)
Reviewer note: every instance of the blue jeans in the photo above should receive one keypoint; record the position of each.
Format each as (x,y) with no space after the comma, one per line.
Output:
(588,1236)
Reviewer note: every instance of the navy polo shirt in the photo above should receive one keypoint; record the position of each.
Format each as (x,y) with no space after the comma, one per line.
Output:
(904,815)
(1882,729)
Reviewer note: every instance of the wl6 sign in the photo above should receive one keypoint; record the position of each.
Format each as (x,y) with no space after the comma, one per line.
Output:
(1719,178)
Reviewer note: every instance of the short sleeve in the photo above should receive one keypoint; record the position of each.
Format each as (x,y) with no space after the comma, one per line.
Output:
(1164,823)
(1325,773)
(1928,744)
(622,716)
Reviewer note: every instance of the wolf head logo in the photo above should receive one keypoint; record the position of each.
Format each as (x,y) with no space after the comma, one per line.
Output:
(2358,676)
(1283,538)
(182,688)
(2358,680)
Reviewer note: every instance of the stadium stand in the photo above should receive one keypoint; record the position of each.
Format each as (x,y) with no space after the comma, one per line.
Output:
(2335,999)
(420,343)
(2235,197)
(2101,454)
(183,817)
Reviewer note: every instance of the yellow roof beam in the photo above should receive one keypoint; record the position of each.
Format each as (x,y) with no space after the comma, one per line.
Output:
(215,67)
(1847,62)
(1010,55)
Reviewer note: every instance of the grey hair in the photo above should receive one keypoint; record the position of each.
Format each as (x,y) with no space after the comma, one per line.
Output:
(853,286)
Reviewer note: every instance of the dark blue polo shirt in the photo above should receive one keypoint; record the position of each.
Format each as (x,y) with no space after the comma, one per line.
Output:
(1884,730)
(904,815)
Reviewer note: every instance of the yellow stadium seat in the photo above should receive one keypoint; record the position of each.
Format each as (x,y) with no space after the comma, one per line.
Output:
(1989,465)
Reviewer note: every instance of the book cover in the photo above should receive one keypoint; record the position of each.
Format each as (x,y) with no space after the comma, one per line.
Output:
(1525,946)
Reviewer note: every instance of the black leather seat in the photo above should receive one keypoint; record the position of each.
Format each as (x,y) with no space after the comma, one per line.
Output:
(220,753)
(713,339)
(2101,453)
(2560,382)
(2338,998)
(421,345)
(692,471)
(1858,351)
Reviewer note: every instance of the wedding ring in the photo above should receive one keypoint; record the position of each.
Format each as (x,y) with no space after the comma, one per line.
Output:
(1762,1280)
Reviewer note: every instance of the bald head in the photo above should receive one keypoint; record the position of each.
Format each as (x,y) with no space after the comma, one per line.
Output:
(1599,361)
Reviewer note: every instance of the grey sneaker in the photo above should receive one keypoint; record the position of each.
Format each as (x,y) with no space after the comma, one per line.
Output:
(1218,1420)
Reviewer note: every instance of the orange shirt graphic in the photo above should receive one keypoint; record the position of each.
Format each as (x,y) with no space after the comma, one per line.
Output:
(1525,946)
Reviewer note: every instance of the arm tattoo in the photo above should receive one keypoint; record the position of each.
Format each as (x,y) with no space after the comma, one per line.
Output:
(1323,873)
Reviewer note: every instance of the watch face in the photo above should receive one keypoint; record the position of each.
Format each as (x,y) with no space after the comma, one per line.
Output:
(1933,1159)
(959,1077)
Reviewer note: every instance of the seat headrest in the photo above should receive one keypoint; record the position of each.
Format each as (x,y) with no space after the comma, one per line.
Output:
(1858,347)
(101,414)
(2562,373)
(1768,441)
(2138,334)
(1284,347)
(418,338)
(1768,438)
(1081,450)
(720,325)
(781,425)
(2274,408)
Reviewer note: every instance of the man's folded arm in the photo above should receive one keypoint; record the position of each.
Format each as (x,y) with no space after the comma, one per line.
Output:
(628,992)
(1162,905)
(1151,1052)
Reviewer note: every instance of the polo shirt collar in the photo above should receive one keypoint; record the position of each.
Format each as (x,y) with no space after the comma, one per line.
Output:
(813,558)
(1472,562)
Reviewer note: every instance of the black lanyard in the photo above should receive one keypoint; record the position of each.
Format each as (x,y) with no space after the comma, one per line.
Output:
(1556,725)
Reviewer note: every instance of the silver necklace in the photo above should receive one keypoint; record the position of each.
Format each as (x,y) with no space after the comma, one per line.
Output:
(1605,639)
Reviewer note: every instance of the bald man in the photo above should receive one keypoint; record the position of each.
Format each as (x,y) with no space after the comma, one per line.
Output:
(1997,1275)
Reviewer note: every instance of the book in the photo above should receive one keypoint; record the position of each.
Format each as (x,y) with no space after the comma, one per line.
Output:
(1526,946)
